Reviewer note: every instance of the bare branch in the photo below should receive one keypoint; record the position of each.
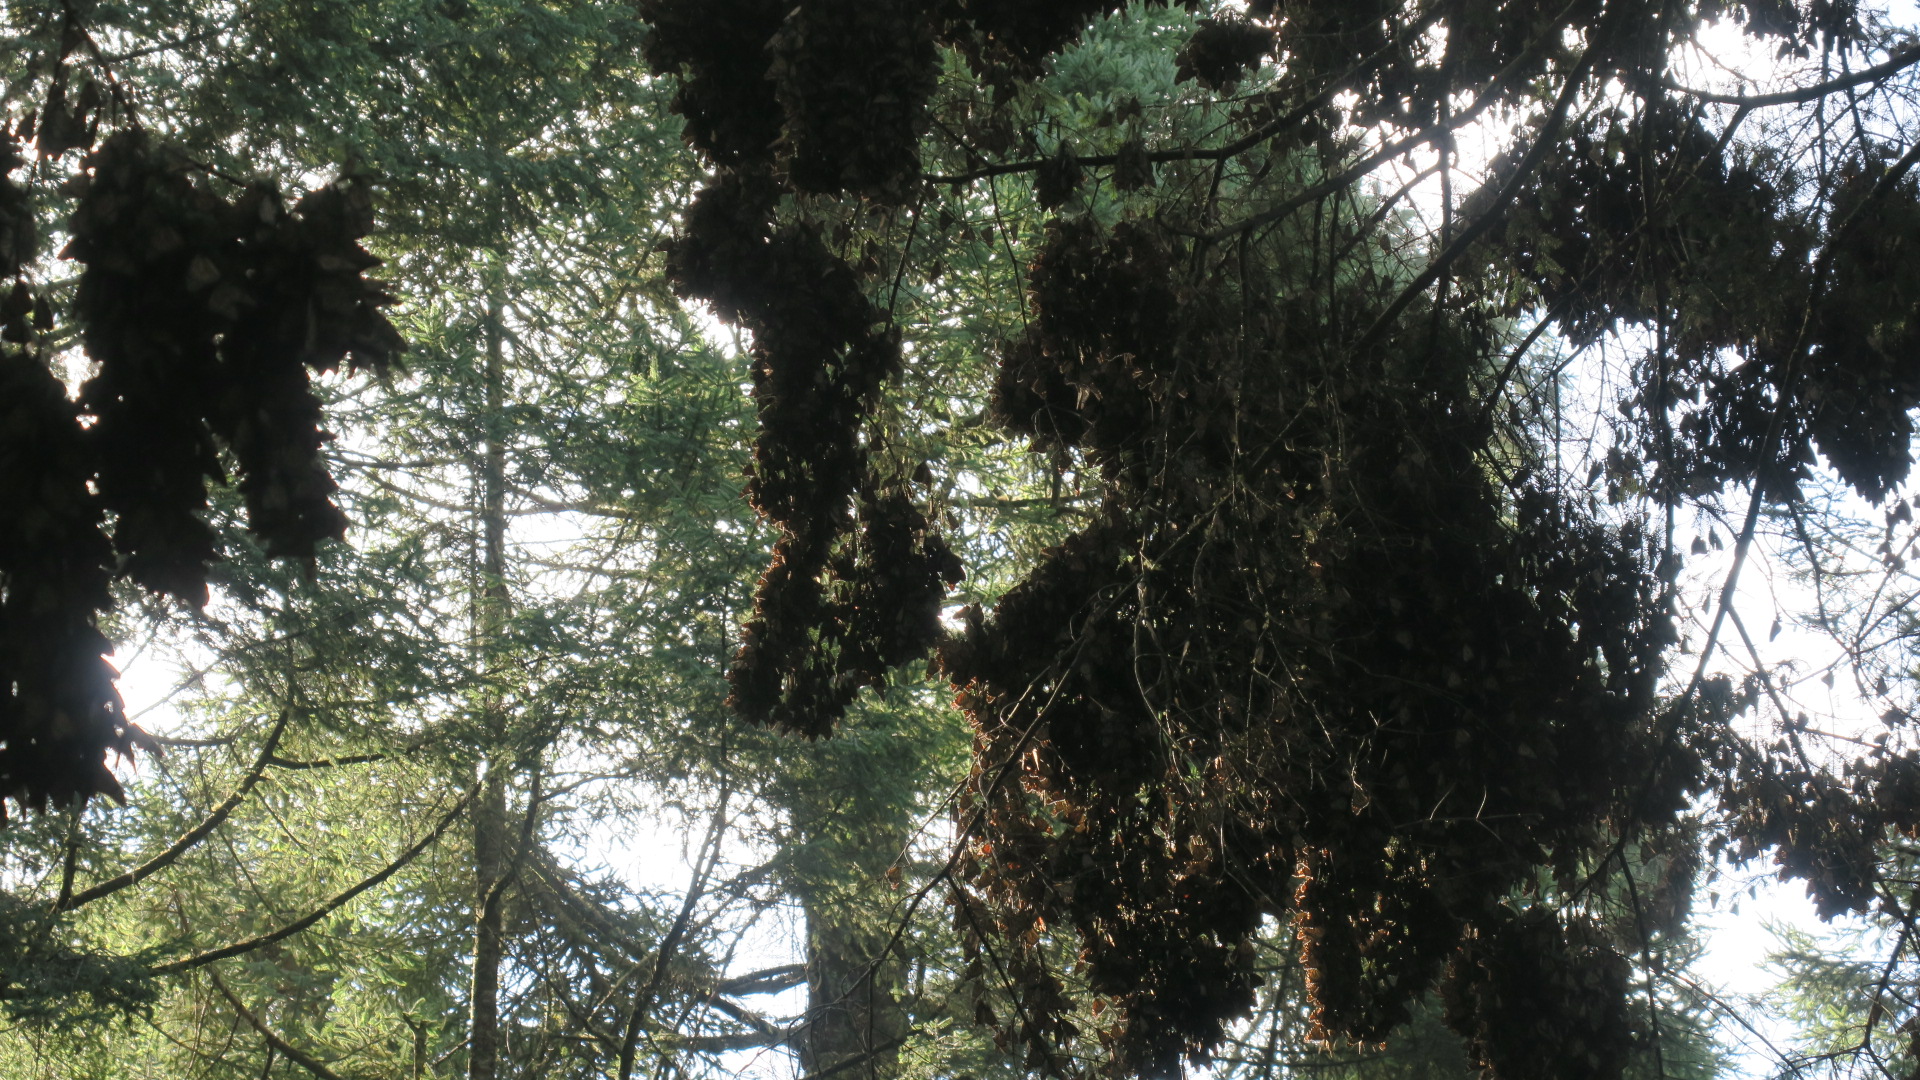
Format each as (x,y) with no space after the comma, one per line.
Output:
(768,981)
(709,855)
(324,763)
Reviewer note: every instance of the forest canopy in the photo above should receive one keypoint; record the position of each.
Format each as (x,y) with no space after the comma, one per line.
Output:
(1160,535)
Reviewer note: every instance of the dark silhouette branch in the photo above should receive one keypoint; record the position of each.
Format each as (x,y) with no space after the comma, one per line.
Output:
(1549,137)
(1894,64)
(669,945)
(769,981)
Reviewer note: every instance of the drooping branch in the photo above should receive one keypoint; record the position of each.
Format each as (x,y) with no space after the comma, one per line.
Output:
(1285,668)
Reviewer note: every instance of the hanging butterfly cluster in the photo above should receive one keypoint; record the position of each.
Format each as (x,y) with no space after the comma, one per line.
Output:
(204,316)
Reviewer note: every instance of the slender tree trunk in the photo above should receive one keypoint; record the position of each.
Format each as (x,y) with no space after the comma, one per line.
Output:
(490,815)
(489,859)
(419,1028)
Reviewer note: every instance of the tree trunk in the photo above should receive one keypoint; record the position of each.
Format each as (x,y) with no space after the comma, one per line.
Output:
(855,1021)
(489,834)
(490,815)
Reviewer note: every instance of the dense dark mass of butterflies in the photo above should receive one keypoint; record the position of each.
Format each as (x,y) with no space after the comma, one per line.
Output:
(202,311)
(1313,658)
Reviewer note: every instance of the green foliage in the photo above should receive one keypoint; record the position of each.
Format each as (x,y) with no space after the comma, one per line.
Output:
(53,983)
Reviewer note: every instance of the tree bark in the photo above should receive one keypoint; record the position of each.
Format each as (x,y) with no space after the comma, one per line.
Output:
(489,829)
